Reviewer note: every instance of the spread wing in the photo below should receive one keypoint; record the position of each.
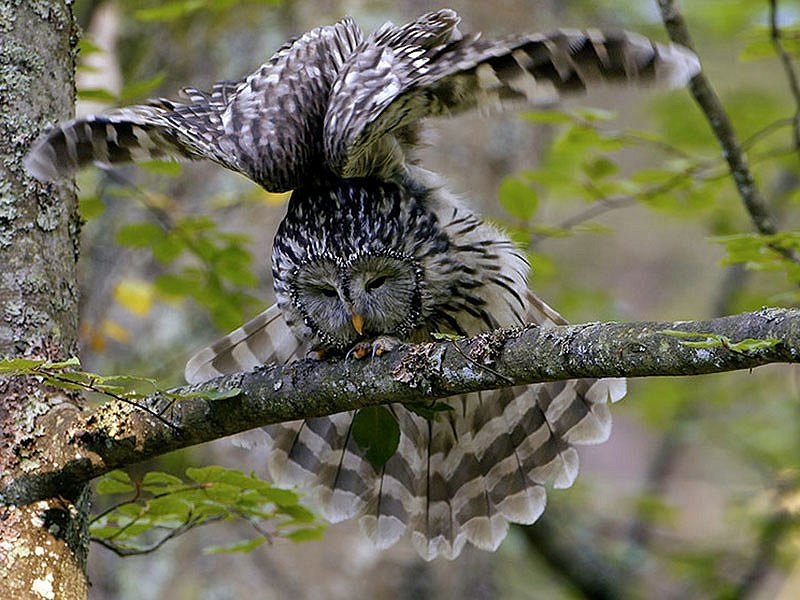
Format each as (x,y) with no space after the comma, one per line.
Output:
(425,69)
(266,126)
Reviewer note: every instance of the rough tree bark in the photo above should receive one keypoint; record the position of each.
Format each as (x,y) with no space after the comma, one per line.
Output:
(43,545)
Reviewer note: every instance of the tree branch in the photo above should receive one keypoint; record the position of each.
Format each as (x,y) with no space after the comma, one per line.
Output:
(81,444)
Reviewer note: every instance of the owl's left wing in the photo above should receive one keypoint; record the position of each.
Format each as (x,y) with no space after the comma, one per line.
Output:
(400,75)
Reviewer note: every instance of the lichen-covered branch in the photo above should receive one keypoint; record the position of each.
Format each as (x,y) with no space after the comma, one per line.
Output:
(82,444)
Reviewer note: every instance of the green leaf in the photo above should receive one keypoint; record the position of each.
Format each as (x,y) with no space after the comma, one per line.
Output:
(243,546)
(600,167)
(547,117)
(87,47)
(749,344)
(97,94)
(167,249)
(307,534)
(159,482)
(169,11)
(73,361)
(281,497)
(10,365)
(138,235)
(298,513)
(134,91)
(169,508)
(377,433)
(713,340)
(518,198)
(115,482)
(595,114)
(162,167)
(91,207)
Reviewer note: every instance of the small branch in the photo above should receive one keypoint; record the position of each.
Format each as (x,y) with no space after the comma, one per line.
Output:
(715,113)
(593,575)
(80,445)
(772,534)
(123,552)
(788,67)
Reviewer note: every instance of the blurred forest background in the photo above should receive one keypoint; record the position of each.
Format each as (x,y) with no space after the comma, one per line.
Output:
(628,213)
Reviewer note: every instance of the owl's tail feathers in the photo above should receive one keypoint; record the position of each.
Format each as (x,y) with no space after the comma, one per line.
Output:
(463,476)
(508,445)
(264,339)
(164,129)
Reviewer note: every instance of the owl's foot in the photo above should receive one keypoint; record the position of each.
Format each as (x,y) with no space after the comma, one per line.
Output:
(376,347)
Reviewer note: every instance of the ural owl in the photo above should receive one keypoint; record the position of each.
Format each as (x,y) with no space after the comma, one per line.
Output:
(373,247)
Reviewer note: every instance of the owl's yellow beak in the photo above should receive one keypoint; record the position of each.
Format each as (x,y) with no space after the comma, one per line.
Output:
(358,323)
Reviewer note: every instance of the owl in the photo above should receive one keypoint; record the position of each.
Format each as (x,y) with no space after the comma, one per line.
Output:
(373,250)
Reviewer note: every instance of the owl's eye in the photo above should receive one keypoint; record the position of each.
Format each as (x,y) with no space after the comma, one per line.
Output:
(374,284)
(327,291)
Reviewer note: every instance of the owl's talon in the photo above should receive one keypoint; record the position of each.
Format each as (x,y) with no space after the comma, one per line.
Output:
(359,351)
(378,347)
(384,344)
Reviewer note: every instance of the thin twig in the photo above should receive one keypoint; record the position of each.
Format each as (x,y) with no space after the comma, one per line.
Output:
(765,131)
(721,124)
(104,392)
(186,526)
(773,532)
(788,67)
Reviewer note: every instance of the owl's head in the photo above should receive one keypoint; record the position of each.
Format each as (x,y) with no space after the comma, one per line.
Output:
(361,296)
(356,260)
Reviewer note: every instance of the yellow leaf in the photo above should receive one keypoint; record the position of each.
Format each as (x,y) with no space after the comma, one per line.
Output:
(135,295)
(94,338)
(115,331)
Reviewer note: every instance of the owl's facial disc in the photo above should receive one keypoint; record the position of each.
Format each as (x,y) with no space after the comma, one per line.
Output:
(377,293)
(384,290)
(318,292)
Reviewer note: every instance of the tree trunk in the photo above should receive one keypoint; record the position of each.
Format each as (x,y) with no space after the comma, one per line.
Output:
(43,545)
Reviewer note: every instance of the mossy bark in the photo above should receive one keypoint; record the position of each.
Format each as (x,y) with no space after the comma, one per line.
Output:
(43,544)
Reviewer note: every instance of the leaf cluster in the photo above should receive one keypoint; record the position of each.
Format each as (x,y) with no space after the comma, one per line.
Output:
(162,506)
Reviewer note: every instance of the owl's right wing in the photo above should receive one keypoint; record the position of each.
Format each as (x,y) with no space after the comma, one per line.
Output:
(400,75)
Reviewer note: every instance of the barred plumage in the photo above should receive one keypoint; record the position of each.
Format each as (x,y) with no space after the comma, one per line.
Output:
(465,475)
(332,103)
(373,247)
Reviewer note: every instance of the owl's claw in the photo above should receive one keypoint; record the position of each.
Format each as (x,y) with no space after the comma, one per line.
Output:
(377,347)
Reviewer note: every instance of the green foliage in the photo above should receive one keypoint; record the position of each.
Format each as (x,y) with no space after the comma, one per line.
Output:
(377,433)
(173,10)
(518,198)
(220,270)
(162,506)
(713,340)
(128,388)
